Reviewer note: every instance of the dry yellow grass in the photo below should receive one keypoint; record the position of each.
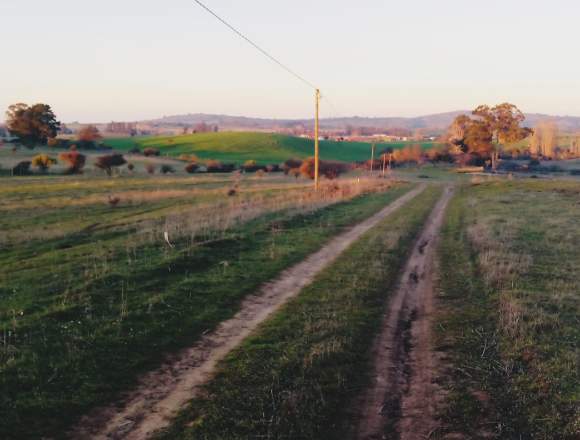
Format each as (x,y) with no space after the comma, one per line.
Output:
(220,215)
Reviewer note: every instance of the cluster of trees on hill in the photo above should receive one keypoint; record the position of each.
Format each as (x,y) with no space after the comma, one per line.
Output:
(476,139)
(37,125)
(483,136)
(482,139)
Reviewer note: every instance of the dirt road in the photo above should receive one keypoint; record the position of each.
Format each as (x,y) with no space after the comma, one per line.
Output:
(402,398)
(161,393)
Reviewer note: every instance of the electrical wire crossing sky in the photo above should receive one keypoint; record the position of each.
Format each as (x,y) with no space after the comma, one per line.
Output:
(263,51)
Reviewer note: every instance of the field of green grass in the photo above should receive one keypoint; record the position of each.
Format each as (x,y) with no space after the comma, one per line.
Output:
(293,377)
(509,310)
(91,294)
(100,277)
(262,147)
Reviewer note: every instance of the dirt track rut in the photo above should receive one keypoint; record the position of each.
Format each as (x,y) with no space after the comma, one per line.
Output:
(161,393)
(401,401)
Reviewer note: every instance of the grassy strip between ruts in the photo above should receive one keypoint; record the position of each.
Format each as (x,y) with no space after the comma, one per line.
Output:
(76,349)
(509,311)
(295,377)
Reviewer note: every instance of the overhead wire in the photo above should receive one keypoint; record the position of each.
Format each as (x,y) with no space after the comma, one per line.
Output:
(257,47)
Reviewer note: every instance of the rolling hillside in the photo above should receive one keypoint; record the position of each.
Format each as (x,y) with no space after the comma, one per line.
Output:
(262,147)
(431,123)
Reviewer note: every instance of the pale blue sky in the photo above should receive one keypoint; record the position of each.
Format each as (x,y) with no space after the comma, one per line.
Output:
(134,59)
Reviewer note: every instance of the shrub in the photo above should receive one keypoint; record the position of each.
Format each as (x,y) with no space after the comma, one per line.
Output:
(58,143)
(150,168)
(135,150)
(188,158)
(114,201)
(291,164)
(43,162)
(22,168)
(251,166)
(215,166)
(469,159)
(410,154)
(333,169)
(150,152)
(75,160)
(191,167)
(440,155)
(329,169)
(108,162)
(167,169)
(89,134)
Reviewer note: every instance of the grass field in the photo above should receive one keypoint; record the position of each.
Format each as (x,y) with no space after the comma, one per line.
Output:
(263,147)
(94,293)
(91,295)
(294,376)
(509,310)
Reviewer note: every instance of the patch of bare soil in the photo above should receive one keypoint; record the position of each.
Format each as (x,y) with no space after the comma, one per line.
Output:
(402,399)
(163,392)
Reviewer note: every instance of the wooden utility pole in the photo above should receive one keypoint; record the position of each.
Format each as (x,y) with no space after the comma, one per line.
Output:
(384,163)
(316,146)
(372,158)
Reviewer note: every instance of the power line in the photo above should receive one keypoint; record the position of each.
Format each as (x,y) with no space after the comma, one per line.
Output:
(336,112)
(264,52)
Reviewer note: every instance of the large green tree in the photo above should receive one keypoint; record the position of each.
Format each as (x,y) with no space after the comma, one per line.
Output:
(503,124)
(489,131)
(32,125)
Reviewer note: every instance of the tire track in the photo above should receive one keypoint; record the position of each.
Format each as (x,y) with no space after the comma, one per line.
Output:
(163,392)
(401,401)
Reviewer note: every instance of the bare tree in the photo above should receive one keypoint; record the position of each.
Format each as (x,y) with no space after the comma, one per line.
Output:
(536,143)
(550,138)
(503,123)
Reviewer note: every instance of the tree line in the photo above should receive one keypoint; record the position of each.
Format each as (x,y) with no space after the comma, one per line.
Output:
(482,138)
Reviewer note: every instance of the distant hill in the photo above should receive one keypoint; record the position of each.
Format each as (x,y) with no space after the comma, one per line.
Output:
(430,123)
(265,148)
(565,123)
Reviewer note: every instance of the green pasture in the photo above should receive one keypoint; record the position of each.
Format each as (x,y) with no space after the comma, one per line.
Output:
(262,147)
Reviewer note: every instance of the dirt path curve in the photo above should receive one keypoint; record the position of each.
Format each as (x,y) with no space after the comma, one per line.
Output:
(161,393)
(401,402)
